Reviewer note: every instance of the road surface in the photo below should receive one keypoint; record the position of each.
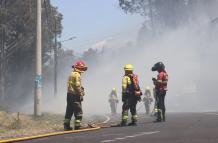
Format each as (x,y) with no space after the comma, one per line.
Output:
(179,128)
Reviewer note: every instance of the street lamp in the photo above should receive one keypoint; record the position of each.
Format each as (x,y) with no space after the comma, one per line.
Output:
(71,38)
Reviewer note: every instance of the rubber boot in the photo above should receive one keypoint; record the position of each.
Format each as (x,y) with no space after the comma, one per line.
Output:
(123,123)
(163,115)
(133,123)
(158,117)
(77,127)
(67,127)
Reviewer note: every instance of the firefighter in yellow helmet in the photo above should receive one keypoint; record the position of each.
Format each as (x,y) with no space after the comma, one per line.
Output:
(113,100)
(75,95)
(131,94)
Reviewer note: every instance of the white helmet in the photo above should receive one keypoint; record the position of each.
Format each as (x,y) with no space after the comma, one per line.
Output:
(147,88)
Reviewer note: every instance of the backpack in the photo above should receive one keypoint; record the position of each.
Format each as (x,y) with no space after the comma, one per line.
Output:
(134,87)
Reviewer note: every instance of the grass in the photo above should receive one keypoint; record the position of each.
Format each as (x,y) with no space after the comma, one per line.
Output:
(16,124)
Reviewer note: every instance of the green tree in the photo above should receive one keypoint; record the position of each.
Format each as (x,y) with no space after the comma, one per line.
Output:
(19,18)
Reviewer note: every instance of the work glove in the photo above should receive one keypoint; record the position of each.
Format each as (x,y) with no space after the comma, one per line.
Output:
(139,99)
(81,98)
(154,80)
(123,98)
(82,91)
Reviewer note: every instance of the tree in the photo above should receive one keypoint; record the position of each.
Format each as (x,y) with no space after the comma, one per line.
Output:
(161,15)
(19,51)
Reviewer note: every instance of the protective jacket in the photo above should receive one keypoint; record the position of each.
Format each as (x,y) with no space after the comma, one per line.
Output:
(162,79)
(130,86)
(113,97)
(74,84)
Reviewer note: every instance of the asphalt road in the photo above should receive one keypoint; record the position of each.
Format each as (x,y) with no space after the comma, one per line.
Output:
(179,128)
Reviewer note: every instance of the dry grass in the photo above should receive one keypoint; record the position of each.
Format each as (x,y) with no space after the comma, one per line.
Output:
(17,125)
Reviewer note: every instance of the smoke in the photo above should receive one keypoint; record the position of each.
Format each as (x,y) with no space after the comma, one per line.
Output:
(189,53)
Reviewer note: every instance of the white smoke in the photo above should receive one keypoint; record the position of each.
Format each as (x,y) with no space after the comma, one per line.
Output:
(188,52)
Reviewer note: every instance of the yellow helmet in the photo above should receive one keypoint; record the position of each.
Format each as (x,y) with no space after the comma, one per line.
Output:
(113,89)
(128,67)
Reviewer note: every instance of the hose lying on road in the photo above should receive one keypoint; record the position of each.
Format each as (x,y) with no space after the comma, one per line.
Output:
(47,135)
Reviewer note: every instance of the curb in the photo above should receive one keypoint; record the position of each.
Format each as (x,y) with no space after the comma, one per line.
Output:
(47,135)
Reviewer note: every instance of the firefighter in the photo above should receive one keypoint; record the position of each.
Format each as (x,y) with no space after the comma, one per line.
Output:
(113,100)
(75,95)
(154,111)
(131,94)
(147,99)
(160,89)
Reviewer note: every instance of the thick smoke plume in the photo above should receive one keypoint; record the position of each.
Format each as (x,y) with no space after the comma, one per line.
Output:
(189,53)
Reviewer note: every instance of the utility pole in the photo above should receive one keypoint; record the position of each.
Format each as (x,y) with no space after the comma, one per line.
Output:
(38,78)
(55,60)
(3,13)
(3,64)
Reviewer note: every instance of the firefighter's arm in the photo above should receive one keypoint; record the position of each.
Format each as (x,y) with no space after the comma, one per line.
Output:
(115,94)
(77,86)
(125,82)
(154,81)
(162,80)
(69,83)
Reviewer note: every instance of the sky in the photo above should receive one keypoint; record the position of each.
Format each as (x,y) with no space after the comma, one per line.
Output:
(94,21)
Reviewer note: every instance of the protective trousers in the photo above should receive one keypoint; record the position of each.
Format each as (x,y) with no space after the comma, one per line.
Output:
(129,103)
(147,107)
(113,107)
(160,98)
(74,107)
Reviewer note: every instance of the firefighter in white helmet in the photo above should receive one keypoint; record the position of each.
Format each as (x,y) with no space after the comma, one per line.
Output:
(147,99)
(113,100)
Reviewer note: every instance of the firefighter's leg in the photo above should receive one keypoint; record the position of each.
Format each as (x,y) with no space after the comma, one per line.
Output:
(113,108)
(133,112)
(147,108)
(162,105)
(78,115)
(158,108)
(125,109)
(69,113)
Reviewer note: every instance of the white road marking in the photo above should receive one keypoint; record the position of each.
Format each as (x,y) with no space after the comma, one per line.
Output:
(107,141)
(130,136)
(119,138)
(107,119)
(149,133)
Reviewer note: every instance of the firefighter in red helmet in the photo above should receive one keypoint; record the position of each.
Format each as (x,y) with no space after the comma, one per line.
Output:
(75,93)
(160,89)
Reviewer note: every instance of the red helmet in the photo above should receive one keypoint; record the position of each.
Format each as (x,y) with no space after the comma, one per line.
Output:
(80,66)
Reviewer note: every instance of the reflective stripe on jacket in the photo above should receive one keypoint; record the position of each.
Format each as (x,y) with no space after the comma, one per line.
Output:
(126,82)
